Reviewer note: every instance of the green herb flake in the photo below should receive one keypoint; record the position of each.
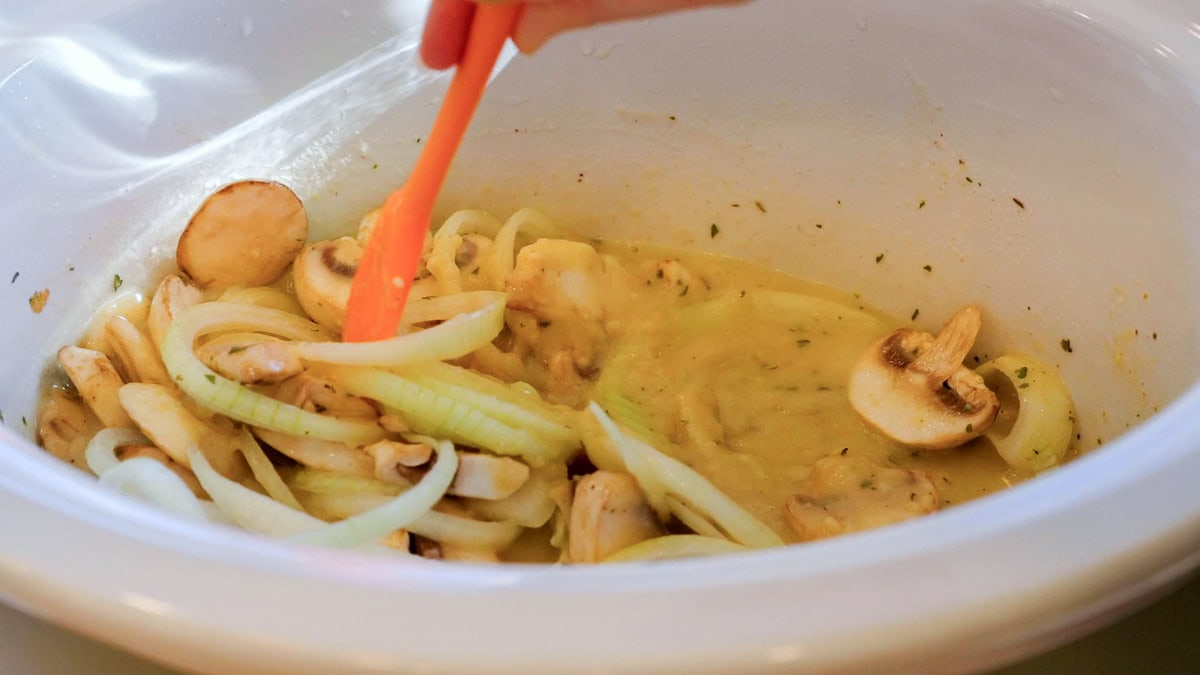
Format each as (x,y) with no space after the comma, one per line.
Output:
(970,428)
(915,314)
(713,231)
(24,421)
(1066,345)
(117,282)
(803,343)
(879,258)
(921,205)
(212,379)
(866,484)
(1018,202)
(1023,385)
(237,349)
(759,205)
(1022,372)
(928,268)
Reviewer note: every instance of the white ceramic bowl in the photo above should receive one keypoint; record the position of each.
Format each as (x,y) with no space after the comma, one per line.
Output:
(864,117)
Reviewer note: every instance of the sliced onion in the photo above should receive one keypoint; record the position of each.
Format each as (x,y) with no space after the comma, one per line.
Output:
(455,337)
(396,513)
(248,509)
(150,480)
(435,414)
(674,546)
(666,473)
(232,399)
(101,452)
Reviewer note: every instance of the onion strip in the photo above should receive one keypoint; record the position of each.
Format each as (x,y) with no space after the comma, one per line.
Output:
(457,336)
(668,474)
(222,395)
(674,546)
(149,479)
(432,413)
(396,513)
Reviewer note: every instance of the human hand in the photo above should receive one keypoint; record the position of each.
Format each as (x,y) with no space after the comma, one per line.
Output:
(449,21)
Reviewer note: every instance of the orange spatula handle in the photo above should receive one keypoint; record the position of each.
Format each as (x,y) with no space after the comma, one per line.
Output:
(390,260)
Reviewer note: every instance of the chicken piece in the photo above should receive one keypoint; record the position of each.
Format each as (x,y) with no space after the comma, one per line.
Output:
(558,280)
(65,425)
(844,494)
(609,513)
(251,362)
(98,383)
(172,297)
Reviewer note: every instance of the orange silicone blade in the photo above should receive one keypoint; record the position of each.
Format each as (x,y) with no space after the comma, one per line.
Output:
(393,252)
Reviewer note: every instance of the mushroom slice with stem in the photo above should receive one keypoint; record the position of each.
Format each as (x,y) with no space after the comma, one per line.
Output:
(608,513)
(98,383)
(65,425)
(164,418)
(172,297)
(245,234)
(322,275)
(134,351)
(251,359)
(914,388)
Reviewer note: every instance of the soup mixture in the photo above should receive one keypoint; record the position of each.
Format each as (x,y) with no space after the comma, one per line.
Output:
(546,398)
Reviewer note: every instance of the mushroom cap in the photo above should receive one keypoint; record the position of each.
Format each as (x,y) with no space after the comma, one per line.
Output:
(322,276)
(913,388)
(245,234)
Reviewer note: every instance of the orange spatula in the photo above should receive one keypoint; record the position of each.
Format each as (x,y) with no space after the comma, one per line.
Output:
(390,260)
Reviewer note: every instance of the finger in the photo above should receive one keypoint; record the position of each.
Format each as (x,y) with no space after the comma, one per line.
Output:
(541,21)
(445,35)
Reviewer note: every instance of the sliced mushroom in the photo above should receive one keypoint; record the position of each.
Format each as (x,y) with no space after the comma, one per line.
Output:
(245,234)
(164,419)
(844,494)
(608,513)
(914,388)
(251,361)
(393,458)
(172,297)
(319,454)
(482,476)
(322,276)
(98,383)
(312,393)
(366,226)
(65,425)
(125,452)
(134,351)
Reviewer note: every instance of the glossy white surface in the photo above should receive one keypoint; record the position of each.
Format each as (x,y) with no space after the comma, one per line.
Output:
(845,114)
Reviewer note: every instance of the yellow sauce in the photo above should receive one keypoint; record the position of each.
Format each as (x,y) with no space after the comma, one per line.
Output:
(776,353)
